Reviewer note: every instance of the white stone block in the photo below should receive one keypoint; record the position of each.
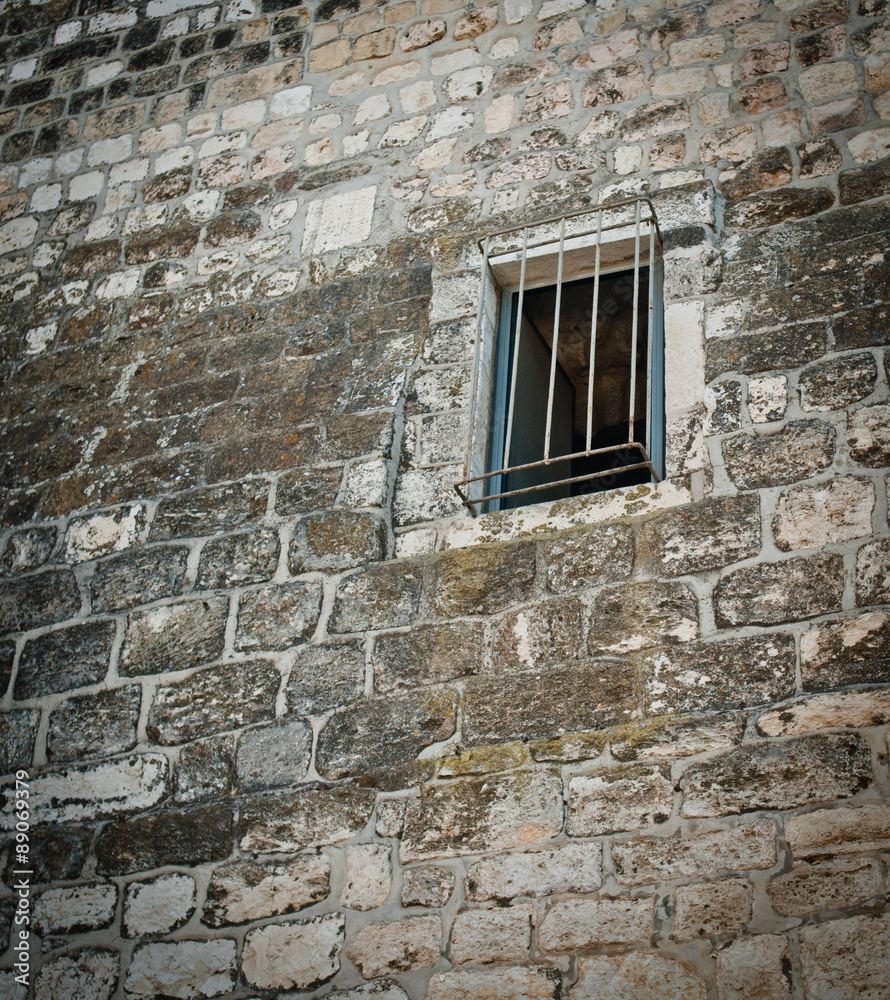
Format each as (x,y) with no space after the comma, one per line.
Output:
(110,150)
(18,234)
(102,74)
(23,70)
(684,365)
(290,102)
(342,220)
(46,198)
(372,109)
(111,21)
(244,115)
(67,32)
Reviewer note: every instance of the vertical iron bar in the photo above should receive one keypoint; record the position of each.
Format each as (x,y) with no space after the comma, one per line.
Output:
(650,329)
(477,374)
(596,297)
(516,337)
(555,345)
(633,339)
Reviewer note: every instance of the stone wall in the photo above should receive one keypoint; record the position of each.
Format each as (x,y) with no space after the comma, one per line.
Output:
(294,723)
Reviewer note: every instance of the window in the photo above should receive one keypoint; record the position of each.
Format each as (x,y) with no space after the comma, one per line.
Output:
(568,393)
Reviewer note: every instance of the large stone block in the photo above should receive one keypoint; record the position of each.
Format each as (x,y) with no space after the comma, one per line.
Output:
(381,734)
(138,577)
(428,654)
(638,975)
(183,968)
(18,733)
(627,618)
(213,701)
(74,909)
(827,885)
(65,659)
(844,710)
(483,579)
(336,540)
(368,876)
(250,890)
(205,770)
(530,706)
(505,983)
(757,966)
(849,957)
(570,868)
(589,557)
(851,650)
(810,516)
(174,637)
(323,677)
(272,756)
(502,934)
(712,908)
(383,596)
(545,633)
(669,737)
(844,830)
(873,573)
(209,511)
(308,817)
(837,383)
(43,599)
(747,846)
(798,451)
(236,560)
(277,616)
(94,725)
(584,923)
(400,946)
(868,436)
(625,798)
(174,837)
(86,972)
(780,775)
(475,816)
(708,535)
(159,905)
(772,593)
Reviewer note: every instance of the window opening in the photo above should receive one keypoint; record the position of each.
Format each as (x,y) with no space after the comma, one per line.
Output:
(575,374)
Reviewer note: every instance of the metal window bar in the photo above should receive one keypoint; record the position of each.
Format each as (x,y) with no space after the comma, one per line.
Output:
(644,449)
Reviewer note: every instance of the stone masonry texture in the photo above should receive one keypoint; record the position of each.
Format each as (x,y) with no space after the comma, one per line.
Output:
(293,722)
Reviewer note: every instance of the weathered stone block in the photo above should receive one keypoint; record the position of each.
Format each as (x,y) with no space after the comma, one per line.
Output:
(570,868)
(428,654)
(533,705)
(57,854)
(174,637)
(368,876)
(37,600)
(707,535)
(614,85)
(777,776)
(505,983)
(844,830)
(589,557)
(849,956)
(852,650)
(383,596)
(308,817)
(502,934)
(810,516)
(584,923)
(800,450)
(826,885)
(272,756)
(846,709)
(75,909)
(711,909)
(323,677)
(238,560)
(475,816)
(28,549)
(757,966)
(401,946)
(834,384)
(644,614)
(625,798)
(138,577)
(429,886)
(336,540)
(213,701)
(86,972)
(484,578)
(749,845)
(545,633)
(670,737)
(868,436)
(751,353)
(159,905)
(770,593)
(206,968)
(240,891)
(205,770)
(94,725)
(383,733)
(18,731)
(873,572)
(383,989)
(635,976)
(208,511)
(277,616)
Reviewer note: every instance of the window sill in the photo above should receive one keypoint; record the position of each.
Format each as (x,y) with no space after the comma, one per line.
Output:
(461,531)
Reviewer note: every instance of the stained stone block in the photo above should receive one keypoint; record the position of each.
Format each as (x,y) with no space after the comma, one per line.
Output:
(483,579)
(826,885)
(496,935)
(428,654)
(747,846)
(382,733)
(644,614)
(368,876)
(844,830)
(209,511)
(475,816)
(198,968)
(306,489)
(74,909)
(771,593)
(670,737)
(381,597)
(43,599)
(711,909)
(612,801)
(57,855)
(324,677)
(174,637)
(873,572)
(159,905)
(780,775)
(846,956)
(545,633)
(838,511)
(400,946)
(851,650)
(801,449)
(300,954)
(504,983)
(18,731)
(756,966)
(429,886)
(138,577)
(637,975)
(205,770)
(94,725)
(308,817)
(27,549)
(244,890)
(382,989)
(272,756)
(845,709)
(87,972)
(173,837)
(583,923)
(868,437)
(278,616)
(707,535)
(213,701)
(837,383)
(336,540)
(569,868)
(237,560)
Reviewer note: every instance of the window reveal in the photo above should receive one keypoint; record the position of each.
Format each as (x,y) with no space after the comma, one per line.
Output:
(575,372)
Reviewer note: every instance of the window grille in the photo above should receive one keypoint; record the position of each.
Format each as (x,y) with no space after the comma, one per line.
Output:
(586,249)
